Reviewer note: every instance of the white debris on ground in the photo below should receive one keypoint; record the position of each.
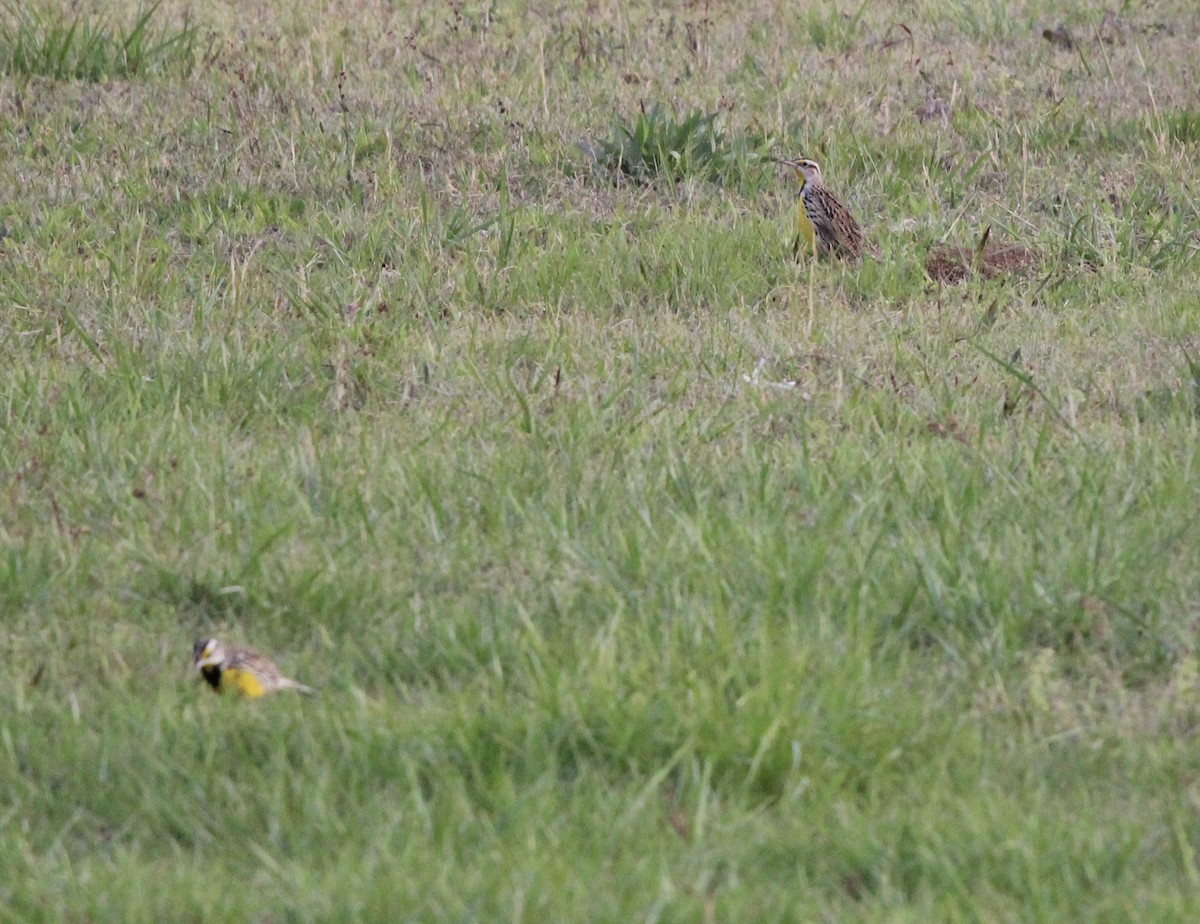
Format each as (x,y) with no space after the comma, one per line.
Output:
(755,379)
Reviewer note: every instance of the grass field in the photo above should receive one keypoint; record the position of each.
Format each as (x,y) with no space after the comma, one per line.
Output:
(454,354)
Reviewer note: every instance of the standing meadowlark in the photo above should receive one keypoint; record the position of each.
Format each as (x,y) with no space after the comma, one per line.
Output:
(823,225)
(240,670)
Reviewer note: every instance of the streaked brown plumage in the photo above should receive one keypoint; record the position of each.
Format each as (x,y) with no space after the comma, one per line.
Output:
(822,222)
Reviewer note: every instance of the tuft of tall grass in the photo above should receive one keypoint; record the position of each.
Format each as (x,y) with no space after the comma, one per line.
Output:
(1182,126)
(37,42)
(1148,229)
(831,30)
(659,144)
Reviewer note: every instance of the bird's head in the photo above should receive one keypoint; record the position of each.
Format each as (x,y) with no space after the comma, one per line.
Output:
(207,652)
(809,171)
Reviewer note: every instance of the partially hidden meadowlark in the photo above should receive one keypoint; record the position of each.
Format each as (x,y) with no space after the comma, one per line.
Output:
(240,670)
(823,225)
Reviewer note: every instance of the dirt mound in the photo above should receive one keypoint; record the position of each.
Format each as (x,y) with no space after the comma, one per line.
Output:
(947,263)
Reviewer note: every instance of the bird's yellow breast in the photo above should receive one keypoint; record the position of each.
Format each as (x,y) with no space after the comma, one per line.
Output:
(804,225)
(242,681)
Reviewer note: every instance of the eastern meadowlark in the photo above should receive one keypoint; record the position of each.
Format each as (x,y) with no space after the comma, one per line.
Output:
(822,222)
(240,670)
